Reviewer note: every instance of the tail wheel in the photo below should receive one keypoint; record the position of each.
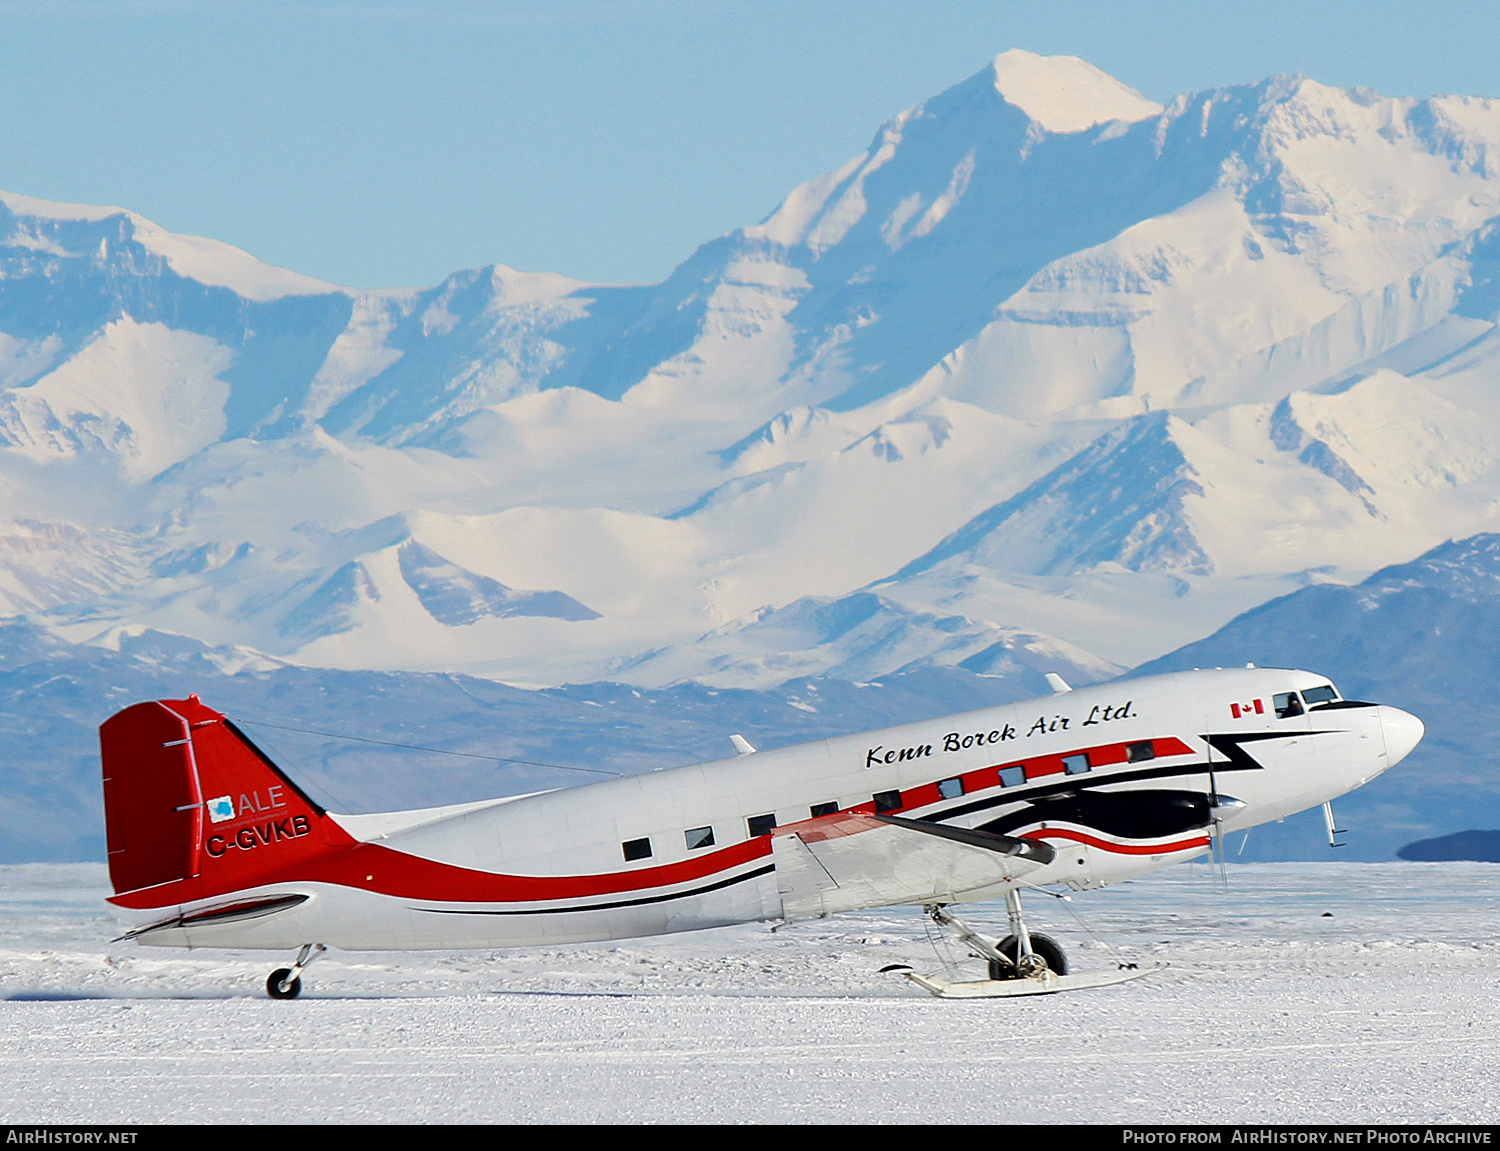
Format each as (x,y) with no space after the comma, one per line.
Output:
(1044,947)
(278,986)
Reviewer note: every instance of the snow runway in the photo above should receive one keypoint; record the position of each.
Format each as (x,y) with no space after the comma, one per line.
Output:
(1385,1011)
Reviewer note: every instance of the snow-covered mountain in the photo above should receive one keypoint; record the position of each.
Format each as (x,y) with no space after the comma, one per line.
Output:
(1047,374)
(864,636)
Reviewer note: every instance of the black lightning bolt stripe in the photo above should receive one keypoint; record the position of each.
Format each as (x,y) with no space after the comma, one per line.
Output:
(1228,745)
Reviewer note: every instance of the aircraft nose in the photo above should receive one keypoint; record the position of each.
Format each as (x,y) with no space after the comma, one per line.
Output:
(1403,731)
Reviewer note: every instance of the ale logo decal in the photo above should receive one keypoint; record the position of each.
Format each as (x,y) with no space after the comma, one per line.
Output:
(221,809)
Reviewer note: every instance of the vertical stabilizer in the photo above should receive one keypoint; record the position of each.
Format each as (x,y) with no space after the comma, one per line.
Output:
(193,809)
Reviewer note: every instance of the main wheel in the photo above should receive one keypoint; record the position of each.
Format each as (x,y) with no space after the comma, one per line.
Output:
(1044,947)
(278,986)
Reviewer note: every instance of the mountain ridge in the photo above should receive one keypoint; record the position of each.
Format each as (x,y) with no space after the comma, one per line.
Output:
(1137,368)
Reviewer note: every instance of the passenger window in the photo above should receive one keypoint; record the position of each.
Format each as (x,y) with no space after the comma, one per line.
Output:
(761,825)
(1139,752)
(887,801)
(1317,695)
(636,849)
(1075,764)
(951,788)
(818,809)
(1012,776)
(1287,705)
(699,837)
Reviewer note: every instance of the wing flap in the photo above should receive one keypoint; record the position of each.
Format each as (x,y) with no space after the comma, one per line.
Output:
(852,861)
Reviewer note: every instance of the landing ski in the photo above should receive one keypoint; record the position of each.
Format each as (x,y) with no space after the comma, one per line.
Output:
(1045,984)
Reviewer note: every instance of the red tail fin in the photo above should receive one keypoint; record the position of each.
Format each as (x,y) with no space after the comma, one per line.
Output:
(192,808)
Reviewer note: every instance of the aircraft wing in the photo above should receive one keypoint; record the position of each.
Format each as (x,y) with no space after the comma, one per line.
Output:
(851,861)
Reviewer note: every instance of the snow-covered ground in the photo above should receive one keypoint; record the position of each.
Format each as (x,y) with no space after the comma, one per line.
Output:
(1344,993)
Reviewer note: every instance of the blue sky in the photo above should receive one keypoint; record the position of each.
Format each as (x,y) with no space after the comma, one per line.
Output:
(379,143)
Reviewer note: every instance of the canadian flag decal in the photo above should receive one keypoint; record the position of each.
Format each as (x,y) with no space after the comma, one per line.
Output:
(1240,709)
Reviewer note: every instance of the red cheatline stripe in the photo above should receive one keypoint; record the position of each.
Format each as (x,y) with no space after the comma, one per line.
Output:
(1100,755)
(1117,848)
(371,867)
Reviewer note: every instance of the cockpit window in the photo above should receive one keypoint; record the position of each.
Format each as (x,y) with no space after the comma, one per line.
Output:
(1317,695)
(1287,705)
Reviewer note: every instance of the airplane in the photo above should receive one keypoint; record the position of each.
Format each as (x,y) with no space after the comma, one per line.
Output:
(210,844)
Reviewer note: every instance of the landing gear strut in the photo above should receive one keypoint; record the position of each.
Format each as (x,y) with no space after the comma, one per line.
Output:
(286,982)
(1020,955)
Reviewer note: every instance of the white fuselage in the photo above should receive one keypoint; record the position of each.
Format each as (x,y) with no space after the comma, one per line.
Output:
(1165,761)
